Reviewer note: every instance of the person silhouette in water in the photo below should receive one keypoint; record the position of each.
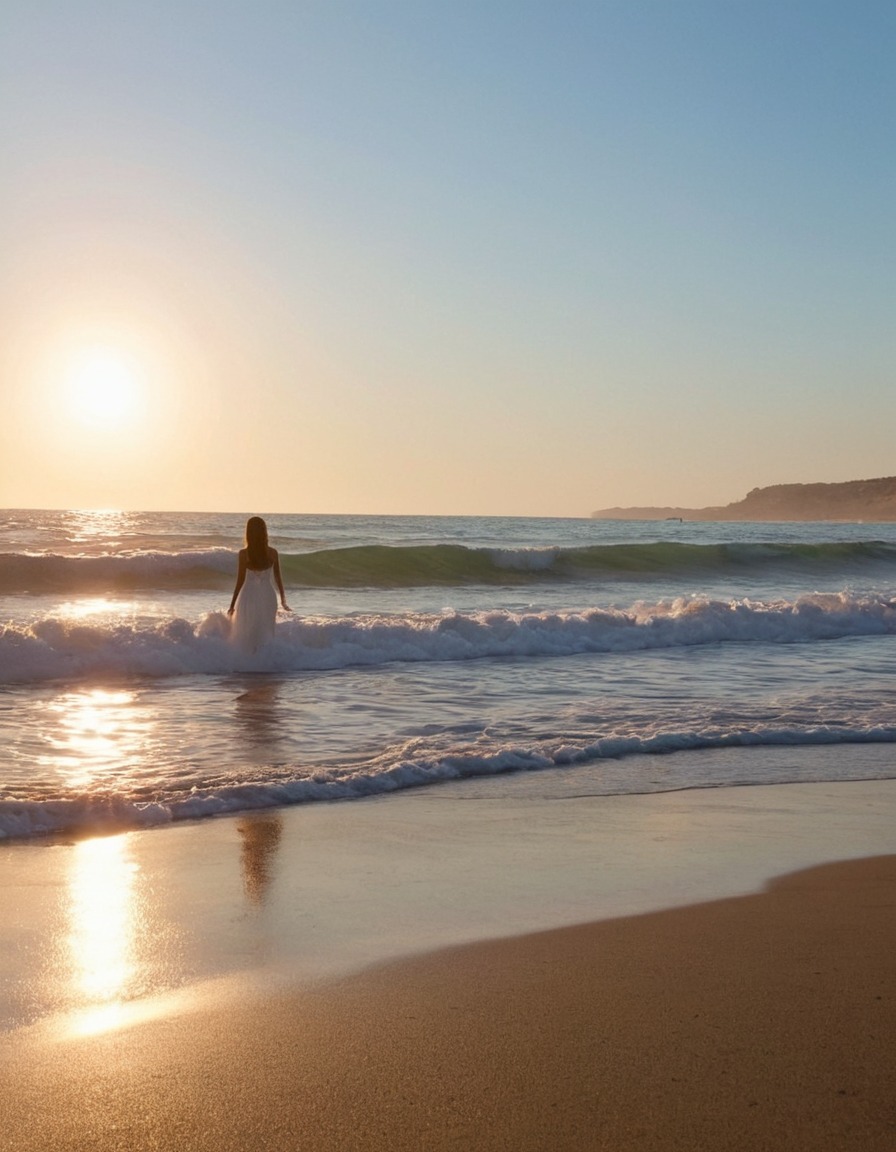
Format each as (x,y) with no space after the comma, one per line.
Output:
(253,606)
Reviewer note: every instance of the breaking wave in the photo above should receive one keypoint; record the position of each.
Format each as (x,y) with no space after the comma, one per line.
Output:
(58,647)
(401,769)
(385,566)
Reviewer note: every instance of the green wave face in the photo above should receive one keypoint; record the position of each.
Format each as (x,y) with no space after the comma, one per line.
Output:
(448,564)
(383,566)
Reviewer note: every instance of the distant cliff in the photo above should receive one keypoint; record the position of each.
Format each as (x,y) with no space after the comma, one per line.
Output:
(853,500)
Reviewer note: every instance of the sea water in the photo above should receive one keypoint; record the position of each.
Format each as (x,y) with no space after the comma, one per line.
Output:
(583,654)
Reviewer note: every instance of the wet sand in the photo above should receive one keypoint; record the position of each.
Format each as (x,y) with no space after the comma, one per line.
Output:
(759,1022)
(380,976)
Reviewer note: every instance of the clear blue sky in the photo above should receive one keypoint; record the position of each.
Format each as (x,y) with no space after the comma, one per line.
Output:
(531,258)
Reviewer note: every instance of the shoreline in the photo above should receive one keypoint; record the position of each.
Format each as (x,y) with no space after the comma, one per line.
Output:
(477,966)
(164,920)
(759,1021)
(548,783)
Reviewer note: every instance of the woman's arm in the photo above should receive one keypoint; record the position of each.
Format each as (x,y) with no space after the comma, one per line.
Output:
(240,580)
(279,580)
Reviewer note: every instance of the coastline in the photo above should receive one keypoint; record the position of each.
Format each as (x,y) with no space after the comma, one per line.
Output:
(439,971)
(850,501)
(320,891)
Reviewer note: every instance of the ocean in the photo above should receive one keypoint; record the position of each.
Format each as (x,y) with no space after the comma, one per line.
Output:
(573,654)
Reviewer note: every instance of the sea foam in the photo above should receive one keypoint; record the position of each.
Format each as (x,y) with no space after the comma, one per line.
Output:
(397,771)
(58,647)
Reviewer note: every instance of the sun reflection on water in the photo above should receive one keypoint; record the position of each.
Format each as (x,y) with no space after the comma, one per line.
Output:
(97,731)
(88,524)
(96,606)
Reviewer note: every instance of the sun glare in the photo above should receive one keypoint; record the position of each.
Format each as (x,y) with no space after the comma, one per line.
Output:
(104,388)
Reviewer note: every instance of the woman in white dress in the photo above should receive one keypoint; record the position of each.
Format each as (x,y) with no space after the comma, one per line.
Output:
(253,606)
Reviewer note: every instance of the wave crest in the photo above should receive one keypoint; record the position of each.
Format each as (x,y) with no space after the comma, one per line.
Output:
(59,647)
(401,769)
(386,566)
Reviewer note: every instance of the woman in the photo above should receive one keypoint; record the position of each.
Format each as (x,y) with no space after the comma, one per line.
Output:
(254,598)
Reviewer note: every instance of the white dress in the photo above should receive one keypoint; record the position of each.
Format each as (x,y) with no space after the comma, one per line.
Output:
(256,610)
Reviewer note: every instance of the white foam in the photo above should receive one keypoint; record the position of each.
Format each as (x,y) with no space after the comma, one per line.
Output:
(396,771)
(59,647)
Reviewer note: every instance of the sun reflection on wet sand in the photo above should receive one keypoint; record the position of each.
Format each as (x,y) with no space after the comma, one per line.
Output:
(124,961)
(103,918)
(121,959)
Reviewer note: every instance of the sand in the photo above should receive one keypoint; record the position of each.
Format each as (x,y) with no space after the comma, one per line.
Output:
(757,1021)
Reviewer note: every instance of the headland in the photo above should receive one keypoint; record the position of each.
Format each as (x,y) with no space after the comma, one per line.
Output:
(865,500)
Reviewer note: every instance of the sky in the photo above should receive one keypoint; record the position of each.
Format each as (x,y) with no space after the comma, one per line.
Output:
(492,257)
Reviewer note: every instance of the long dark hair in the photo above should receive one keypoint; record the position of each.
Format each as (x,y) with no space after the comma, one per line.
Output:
(256,542)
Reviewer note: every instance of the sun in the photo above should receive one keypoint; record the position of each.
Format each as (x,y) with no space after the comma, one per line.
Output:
(104,388)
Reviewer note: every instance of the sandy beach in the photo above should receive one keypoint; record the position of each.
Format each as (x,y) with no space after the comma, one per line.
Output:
(758,1017)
